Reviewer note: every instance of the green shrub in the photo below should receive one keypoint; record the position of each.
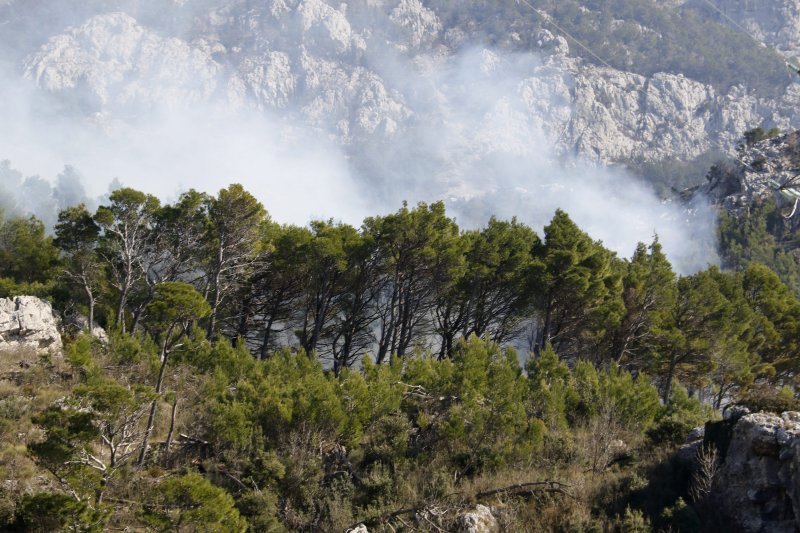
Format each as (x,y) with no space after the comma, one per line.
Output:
(49,512)
(770,399)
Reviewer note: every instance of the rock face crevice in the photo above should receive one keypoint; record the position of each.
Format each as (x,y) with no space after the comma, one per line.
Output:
(27,322)
(757,485)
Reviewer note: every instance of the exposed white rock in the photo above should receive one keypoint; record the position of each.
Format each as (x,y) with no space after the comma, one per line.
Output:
(612,115)
(313,56)
(555,45)
(758,485)
(113,63)
(478,520)
(420,25)
(687,453)
(326,30)
(28,322)
(76,323)
(356,96)
(269,78)
(734,412)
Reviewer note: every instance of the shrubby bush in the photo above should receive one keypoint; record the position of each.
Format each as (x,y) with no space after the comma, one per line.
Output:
(678,418)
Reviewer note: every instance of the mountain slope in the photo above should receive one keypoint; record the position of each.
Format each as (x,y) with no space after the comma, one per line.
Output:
(330,65)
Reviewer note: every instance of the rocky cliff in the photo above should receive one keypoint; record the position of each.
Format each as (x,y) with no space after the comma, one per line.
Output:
(345,68)
(757,483)
(28,323)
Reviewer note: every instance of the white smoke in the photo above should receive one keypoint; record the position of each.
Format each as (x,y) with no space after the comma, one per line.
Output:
(469,138)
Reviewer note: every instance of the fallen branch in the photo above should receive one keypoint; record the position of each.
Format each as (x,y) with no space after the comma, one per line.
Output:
(520,489)
(193,440)
(517,489)
(387,517)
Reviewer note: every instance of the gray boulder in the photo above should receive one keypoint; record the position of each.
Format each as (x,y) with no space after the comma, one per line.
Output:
(478,520)
(687,453)
(758,485)
(27,322)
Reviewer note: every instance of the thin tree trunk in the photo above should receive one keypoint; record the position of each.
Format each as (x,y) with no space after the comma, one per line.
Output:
(90,297)
(101,490)
(172,423)
(123,300)
(720,396)
(667,392)
(267,332)
(212,319)
(242,329)
(151,418)
(137,316)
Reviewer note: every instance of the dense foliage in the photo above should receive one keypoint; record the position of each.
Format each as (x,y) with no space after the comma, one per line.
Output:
(761,235)
(278,377)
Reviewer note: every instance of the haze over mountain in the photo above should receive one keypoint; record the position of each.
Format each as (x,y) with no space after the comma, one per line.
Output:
(326,109)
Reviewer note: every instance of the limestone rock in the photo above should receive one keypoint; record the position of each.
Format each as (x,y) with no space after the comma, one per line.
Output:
(420,25)
(326,29)
(687,453)
(758,485)
(113,63)
(269,78)
(324,61)
(478,520)
(28,322)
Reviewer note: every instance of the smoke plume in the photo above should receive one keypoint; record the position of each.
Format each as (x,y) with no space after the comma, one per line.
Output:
(455,126)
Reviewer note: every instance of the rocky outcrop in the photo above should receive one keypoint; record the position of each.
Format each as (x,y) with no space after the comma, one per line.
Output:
(756,175)
(757,485)
(75,323)
(113,64)
(27,322)
(687,453)
(478,520)
(328,63)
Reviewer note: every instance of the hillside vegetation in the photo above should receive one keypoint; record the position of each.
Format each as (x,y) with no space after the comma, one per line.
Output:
(278,377)
(640,36)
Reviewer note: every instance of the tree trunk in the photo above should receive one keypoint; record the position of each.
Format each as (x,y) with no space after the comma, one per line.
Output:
(319,321)
(667,388)
(546,328)
(267,331)
(123,300)
(137,315)
(212,319)
(243,328)
(720,396)
(90,297)
(172,423)
(151,418)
